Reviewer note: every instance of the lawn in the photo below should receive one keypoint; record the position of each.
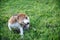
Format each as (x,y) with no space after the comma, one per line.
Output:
(44,19)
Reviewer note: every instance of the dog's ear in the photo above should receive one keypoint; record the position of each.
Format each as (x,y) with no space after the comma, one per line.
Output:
(22,16)
(18,16)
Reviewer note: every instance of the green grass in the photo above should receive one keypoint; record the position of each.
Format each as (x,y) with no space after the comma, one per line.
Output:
(44,17)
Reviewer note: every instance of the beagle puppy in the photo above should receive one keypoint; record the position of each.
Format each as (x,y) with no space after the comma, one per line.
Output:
(19,21)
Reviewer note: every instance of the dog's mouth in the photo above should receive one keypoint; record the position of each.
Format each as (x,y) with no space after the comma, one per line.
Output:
(24,25)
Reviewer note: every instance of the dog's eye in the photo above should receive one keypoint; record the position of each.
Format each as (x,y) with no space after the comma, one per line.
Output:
(26,17)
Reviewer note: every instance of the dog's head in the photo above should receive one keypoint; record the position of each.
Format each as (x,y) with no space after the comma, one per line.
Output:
(23,19)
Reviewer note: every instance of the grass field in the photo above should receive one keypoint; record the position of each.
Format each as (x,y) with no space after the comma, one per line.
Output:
(44,17)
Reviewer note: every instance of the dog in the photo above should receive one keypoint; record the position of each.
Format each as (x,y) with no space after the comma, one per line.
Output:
(20,21)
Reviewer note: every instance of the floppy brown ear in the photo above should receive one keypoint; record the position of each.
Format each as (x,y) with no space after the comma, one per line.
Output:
(21,16)
(18,16)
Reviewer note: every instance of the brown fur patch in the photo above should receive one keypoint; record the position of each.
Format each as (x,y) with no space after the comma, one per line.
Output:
(18,18)
(12,20)
(21,16)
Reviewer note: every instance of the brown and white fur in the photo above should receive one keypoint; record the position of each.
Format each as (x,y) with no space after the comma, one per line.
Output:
(19,21)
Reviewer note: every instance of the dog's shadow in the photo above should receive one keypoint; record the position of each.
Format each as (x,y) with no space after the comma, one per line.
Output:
(17,31)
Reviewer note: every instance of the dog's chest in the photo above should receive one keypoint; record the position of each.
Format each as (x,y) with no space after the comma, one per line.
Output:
(15,25)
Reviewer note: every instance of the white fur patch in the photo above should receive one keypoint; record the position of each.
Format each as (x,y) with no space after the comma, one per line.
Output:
(26,21)
(16,25)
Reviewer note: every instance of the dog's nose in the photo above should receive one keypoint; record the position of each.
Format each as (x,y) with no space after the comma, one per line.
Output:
(28,23)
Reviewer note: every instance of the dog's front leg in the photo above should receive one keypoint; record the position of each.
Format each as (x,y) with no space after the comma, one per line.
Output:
(21,31)
(9,27)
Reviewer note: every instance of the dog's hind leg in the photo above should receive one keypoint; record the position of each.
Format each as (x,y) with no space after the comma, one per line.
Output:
(9,27)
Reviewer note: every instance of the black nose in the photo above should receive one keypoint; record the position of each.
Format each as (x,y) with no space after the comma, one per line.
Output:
(28,23)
